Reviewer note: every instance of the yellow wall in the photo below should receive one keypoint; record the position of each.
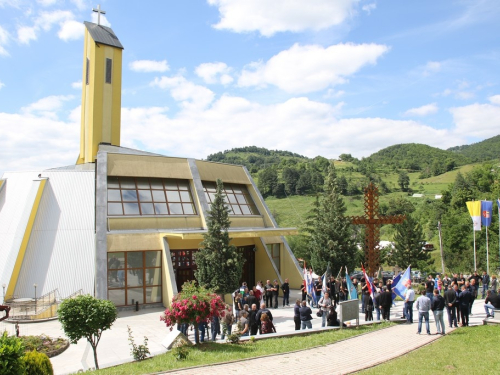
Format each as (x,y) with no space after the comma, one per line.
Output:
(264,269)
(247,222)
(226,172)
(144,222)
(101,102)
(148,166)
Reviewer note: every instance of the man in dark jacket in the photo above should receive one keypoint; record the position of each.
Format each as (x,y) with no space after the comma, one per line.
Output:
(250,300)
(285,288)
(268,288)
(385,303)
(450,300)
(491,302)
(305,316)
(252,319)
(276,292)
(465,298)
(437,307)
(486,283)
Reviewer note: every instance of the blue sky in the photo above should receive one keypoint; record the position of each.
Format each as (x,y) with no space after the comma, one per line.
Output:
(316,77)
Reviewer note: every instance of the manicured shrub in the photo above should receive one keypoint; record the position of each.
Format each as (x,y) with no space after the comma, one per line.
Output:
(37,364)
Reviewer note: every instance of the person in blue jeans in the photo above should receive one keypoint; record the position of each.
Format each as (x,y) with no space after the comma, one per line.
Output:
(305,316)
(423,307)
(324,304)
(429,287)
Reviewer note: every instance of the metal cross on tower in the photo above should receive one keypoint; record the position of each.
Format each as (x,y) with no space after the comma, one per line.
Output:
(373,221)
(99,12)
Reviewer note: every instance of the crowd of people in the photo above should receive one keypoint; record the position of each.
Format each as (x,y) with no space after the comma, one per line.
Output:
(251,310)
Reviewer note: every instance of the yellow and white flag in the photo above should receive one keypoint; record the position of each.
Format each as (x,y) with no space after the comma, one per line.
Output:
(474,208)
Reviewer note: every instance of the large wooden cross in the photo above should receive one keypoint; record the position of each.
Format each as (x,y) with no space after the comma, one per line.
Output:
(372,220)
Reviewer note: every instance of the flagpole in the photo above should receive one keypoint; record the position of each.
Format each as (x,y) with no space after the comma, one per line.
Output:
(487,253)
(441,246)
(474,234)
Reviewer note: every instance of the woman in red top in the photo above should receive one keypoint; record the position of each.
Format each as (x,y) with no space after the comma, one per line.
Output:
(266,326)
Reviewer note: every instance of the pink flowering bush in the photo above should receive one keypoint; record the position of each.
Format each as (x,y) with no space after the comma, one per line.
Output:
(193,305)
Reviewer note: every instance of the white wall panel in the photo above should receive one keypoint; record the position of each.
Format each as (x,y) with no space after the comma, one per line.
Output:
(61,251)
(16,202)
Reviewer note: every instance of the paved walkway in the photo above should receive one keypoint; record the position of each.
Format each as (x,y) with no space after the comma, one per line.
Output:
(336,358)
(114,348)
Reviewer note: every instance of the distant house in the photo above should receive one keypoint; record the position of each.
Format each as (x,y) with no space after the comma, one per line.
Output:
(418,195)
(438,196)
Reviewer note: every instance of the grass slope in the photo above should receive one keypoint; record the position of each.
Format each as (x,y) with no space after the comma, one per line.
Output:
(455,353)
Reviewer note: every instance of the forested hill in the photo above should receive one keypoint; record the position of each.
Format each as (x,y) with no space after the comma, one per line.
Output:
(485,150)
(416,157)
(256,158)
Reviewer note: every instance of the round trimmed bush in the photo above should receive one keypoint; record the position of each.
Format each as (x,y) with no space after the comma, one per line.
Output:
(37,364)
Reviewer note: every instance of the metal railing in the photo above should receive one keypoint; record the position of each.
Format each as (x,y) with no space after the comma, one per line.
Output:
(44,307)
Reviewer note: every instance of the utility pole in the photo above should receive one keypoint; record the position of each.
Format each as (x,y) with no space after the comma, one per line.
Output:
(441,246)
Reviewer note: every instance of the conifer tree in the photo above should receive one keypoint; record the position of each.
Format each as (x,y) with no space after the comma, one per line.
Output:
(409,242)
(219,263)
(331,232)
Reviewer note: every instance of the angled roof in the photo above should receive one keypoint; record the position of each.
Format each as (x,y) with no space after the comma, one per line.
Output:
(103,35)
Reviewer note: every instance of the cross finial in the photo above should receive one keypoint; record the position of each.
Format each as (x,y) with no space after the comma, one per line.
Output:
(99,12)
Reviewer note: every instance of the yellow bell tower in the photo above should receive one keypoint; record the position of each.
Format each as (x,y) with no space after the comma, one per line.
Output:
(101,90)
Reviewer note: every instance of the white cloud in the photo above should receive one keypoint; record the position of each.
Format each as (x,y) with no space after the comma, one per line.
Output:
(225,123)
(80,4)
(495,99)
(32,142)
(192,97)
(2,84)
(149,66)
(269,17)
(71,30)
(431,67)
(46,3)
(33,139)
(48,106)
(304,69)
(217,72)
(25,34)
(369,7)
(45,21)
(465,95)
(77,85)
(424,110)
(477,120)
(4,38)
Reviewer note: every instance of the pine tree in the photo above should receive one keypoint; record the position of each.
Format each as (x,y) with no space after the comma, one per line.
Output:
(332,239)
(219,264)
(409,242)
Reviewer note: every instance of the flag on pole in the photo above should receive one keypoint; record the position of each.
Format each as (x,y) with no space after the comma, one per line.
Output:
(395,282)
(402,285)
(474,208)
(353,293)
(369,284)
(310,286)
(326,277)
(486,212)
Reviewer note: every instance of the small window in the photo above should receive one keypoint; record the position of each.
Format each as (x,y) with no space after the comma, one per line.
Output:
(87,71)
(109,65)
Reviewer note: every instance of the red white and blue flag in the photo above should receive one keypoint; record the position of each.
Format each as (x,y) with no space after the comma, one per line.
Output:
(486,212)
(369,284)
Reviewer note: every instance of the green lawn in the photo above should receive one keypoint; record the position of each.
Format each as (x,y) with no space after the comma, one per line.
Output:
(456,353)
(210,353)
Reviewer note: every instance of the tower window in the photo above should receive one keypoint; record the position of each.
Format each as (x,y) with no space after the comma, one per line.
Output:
(109,65)
(87,72)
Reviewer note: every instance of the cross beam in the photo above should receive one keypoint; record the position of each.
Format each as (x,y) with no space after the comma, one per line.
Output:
(99,12)
(372,221)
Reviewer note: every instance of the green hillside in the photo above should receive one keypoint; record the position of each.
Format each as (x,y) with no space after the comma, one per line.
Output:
(488,149)
(416,157)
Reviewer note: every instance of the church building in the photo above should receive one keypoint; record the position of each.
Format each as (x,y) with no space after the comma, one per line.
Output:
(124,224)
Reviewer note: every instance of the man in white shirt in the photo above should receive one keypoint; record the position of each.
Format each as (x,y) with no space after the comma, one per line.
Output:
(409,300)
(423,307)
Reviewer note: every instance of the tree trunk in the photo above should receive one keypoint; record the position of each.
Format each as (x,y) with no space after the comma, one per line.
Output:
(196,334)
(94,348)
